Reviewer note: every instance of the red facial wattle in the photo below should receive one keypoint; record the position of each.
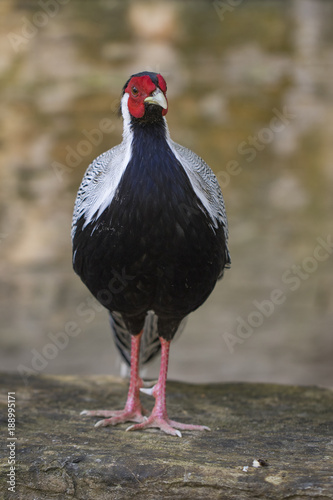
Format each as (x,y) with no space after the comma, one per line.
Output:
(140,87)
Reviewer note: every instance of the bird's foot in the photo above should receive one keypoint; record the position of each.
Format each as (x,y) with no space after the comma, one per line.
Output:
(166,425)
(116,417)
(159,417)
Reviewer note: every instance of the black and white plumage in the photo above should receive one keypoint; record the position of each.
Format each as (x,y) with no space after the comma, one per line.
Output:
(149,228)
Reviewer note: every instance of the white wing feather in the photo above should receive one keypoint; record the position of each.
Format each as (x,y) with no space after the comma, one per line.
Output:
(204,183)
(99,184)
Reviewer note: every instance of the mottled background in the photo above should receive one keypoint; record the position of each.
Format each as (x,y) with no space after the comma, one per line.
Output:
(250,90)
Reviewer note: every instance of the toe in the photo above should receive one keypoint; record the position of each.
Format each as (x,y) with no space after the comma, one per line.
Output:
(115,417)
(188,427)
(103,423)
(100,413)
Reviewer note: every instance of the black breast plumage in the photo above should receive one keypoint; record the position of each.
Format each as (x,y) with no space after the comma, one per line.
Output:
(155,246)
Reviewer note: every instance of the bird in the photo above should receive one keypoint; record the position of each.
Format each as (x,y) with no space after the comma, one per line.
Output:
(150,240)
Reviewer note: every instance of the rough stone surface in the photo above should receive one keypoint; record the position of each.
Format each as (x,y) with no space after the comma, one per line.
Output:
(60,455)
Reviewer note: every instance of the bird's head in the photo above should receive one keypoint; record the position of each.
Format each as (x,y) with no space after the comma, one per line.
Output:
(146,95)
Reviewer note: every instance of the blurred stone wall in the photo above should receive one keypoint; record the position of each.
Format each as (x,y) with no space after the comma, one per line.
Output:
(250,90)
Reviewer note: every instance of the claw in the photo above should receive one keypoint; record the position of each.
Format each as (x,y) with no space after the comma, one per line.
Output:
(130,427)
(100,423)
(147,390)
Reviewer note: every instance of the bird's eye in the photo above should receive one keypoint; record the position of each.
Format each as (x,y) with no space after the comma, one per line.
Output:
(135,91)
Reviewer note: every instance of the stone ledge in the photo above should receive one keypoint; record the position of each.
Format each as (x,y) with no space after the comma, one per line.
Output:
(60,455)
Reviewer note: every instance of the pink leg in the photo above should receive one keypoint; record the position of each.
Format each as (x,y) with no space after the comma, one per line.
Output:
(133,411)
(159,417)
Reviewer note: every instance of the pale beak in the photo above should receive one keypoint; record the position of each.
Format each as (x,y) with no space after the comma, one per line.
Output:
(158,98)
